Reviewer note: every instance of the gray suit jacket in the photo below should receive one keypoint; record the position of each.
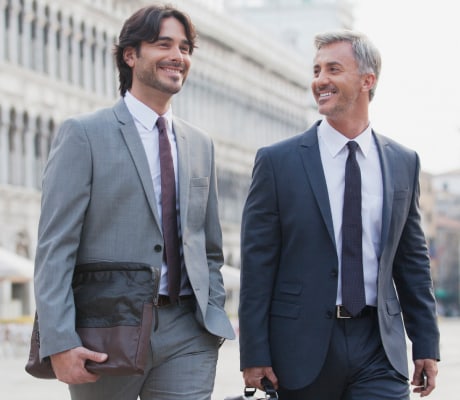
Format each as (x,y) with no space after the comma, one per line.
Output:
(98,204)
(290,263)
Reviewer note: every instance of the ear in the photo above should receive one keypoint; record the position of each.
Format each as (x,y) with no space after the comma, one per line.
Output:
(369,81)
(129,56)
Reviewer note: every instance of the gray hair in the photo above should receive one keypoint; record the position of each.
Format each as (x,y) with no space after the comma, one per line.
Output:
(366,54)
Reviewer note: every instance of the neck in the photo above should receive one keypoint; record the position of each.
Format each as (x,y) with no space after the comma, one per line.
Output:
(351,123)
(157,101)
(349,128)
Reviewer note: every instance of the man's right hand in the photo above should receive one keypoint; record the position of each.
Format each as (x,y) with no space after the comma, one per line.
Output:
(253,376)
(69,366)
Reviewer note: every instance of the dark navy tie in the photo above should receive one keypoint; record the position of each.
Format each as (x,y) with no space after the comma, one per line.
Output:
(353,297)
(169,212)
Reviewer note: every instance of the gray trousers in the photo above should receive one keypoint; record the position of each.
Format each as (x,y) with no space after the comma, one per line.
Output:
(181,364)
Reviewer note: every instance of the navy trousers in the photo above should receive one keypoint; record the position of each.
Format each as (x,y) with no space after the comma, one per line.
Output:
(356,367)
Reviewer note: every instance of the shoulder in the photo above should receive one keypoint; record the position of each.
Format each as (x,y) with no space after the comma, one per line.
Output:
(191,133)
(185,127)
(307,138)
(88,121)
(394,147)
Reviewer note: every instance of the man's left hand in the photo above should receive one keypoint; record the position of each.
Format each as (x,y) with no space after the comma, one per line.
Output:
(430,367)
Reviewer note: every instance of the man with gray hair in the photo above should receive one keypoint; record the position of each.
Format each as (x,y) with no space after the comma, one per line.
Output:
(334,258)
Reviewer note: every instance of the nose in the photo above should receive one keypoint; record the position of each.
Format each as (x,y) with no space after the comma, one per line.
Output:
(321,78)
(176,53)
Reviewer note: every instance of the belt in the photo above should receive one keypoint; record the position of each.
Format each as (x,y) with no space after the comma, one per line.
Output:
(164,300)
(342,313)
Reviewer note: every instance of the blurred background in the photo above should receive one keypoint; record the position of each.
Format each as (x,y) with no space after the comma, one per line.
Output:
(249,86)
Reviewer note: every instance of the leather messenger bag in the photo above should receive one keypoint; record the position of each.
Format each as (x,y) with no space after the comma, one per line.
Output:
(114,305)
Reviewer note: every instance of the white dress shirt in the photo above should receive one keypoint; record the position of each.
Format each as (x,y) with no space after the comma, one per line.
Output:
(334,153)
(145,120)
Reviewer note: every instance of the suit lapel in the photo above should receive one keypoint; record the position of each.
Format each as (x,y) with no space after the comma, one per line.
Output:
(183,160)
(137,151)
(311,159)
(386,161)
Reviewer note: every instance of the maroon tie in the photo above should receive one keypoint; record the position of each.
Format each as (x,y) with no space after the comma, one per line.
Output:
(169,212)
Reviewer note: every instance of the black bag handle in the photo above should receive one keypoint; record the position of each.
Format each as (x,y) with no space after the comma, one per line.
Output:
(268,388)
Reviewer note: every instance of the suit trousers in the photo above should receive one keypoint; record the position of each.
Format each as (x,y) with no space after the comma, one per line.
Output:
(356,367)
(181,364)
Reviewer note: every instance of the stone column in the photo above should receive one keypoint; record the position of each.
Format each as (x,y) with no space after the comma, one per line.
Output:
(29,154)
(3,30)
(64,51)
(75,36)
(15,170)
(4,144)
(40,38)
(99,75)
(27,20)
(87,57)
(110,70)
(52,46)
(41,148)
(13,32)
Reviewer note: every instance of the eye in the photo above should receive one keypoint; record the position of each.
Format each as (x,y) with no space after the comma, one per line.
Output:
(334,69)
(163,44)
(185,49)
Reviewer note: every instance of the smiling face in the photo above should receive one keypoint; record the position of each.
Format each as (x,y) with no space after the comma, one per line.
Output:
(160,68)
(340,90)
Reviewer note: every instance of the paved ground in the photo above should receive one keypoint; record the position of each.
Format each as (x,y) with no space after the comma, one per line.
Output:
(15,384)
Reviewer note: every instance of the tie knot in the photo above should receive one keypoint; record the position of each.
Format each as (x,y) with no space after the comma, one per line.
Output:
(161,124)
(352,146)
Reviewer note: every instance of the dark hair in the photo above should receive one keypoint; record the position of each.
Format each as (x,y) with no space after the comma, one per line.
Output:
(144,26)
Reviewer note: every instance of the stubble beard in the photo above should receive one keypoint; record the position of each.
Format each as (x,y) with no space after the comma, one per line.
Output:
(152,81)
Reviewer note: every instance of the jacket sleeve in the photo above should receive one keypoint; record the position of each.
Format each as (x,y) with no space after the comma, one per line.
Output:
(412,276)
(65,196)
(260,244)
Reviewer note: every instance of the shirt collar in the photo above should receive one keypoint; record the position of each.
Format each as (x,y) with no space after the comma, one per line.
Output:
(335,141)
(144,114)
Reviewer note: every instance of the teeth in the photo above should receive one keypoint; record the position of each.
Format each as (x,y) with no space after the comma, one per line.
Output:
(171,70)
(325,94)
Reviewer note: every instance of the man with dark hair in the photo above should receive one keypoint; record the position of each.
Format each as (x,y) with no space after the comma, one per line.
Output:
(104,200)
(334,258)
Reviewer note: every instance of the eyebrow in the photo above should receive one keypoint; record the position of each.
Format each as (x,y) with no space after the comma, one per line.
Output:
(170,39)
(328,64)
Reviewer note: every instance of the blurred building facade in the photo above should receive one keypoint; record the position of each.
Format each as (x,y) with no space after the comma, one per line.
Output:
(446,257)
(246,88)
(294,24)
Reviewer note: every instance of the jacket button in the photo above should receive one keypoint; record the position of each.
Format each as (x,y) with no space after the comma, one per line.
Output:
(329,314)
(334,273)
(158,248)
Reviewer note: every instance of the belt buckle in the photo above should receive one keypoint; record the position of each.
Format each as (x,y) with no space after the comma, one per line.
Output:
(339,313)
(163,301)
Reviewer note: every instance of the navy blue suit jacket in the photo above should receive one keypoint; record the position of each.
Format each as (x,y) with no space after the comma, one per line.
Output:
(289,272)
